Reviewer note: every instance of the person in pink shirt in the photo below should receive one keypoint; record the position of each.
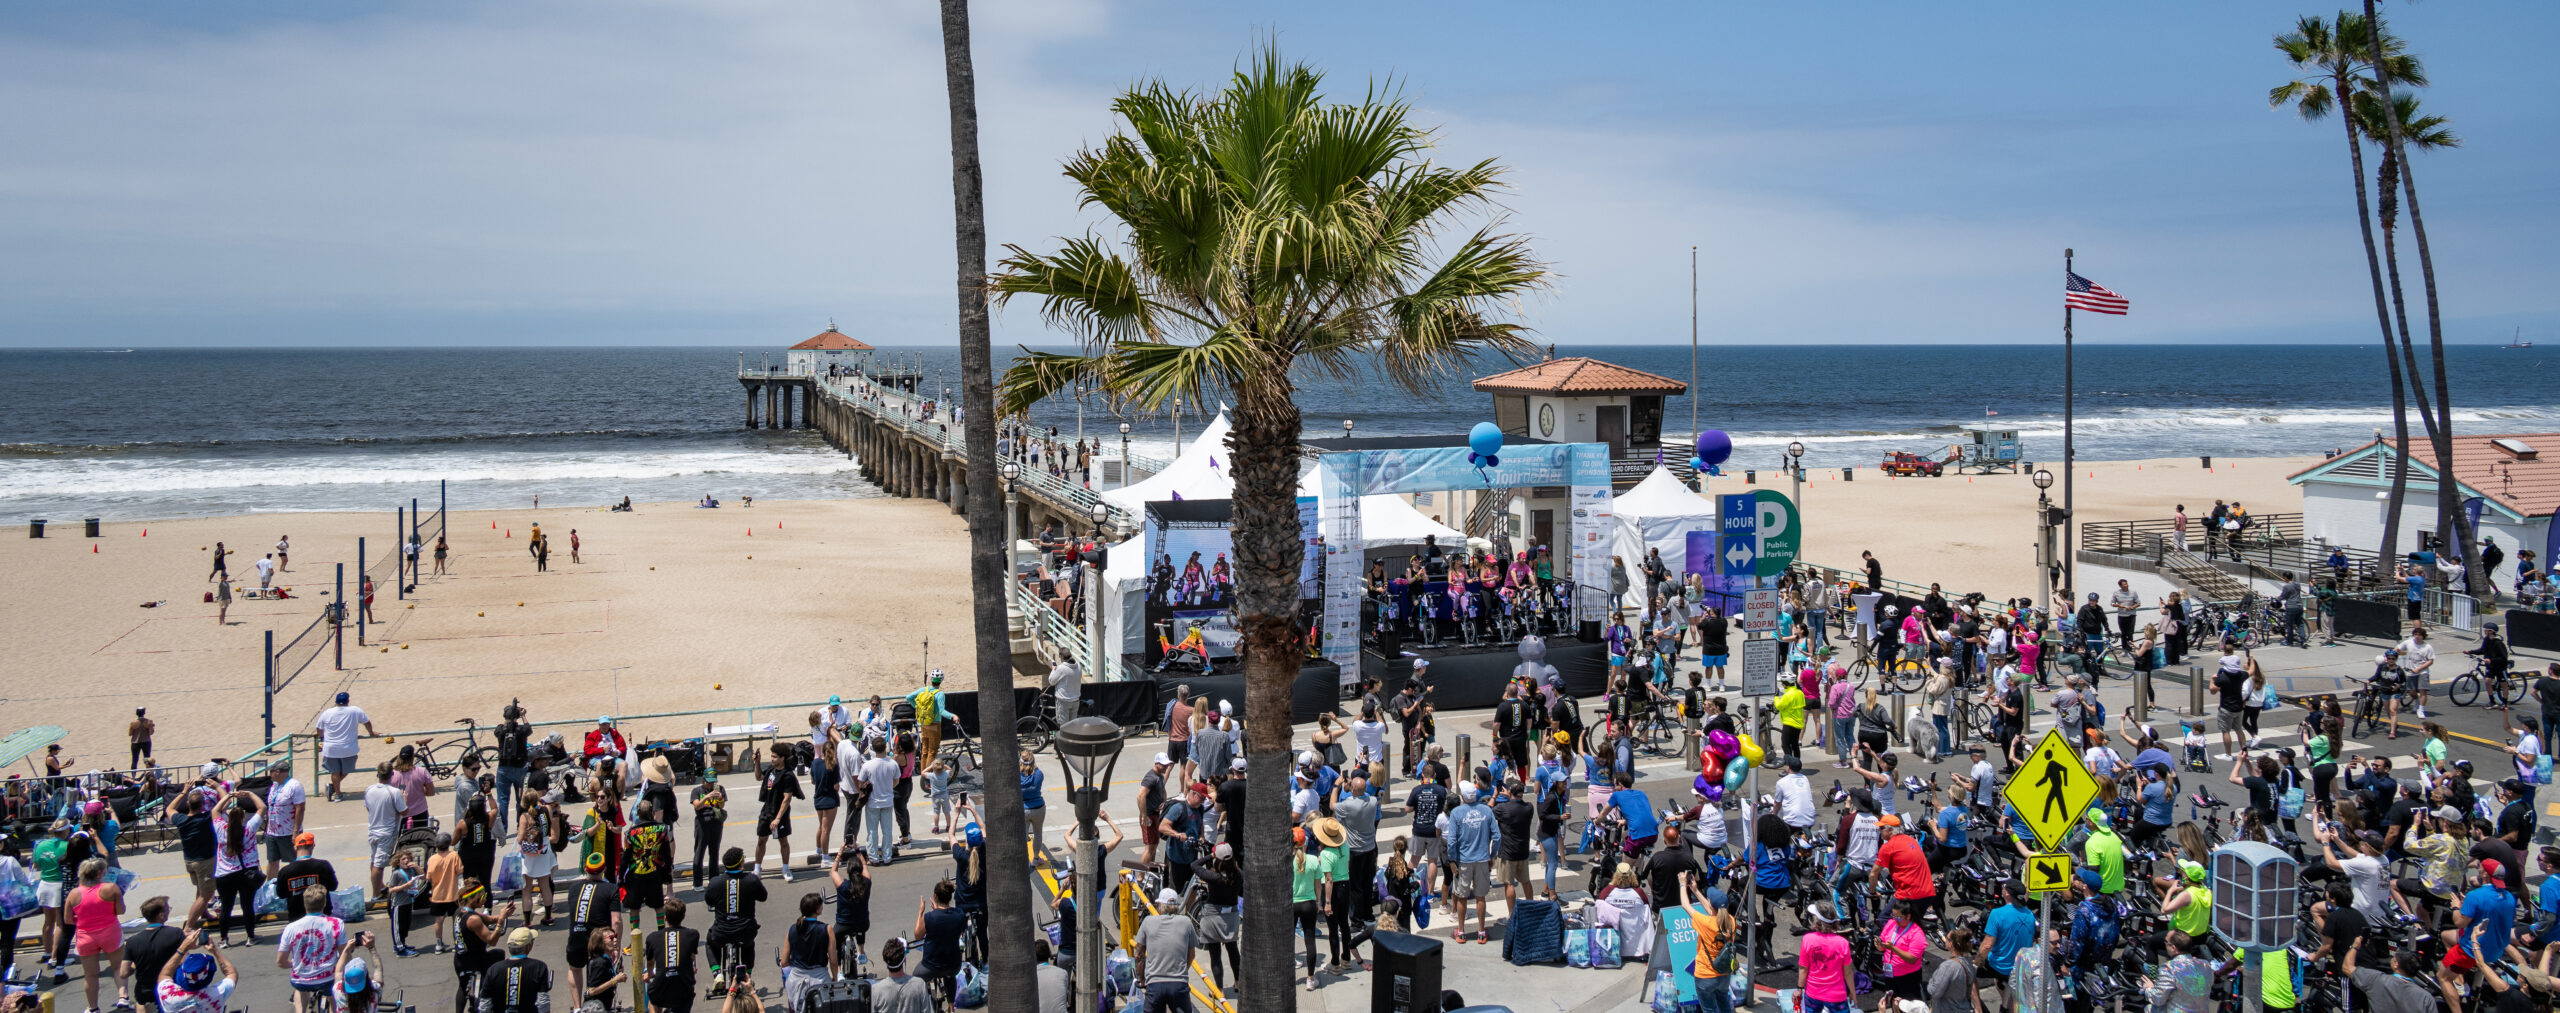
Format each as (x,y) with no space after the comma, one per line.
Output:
(1822,966)
(1904,945)
(1841,700)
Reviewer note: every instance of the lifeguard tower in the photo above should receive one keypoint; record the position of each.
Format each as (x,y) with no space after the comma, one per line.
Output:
(1986,448)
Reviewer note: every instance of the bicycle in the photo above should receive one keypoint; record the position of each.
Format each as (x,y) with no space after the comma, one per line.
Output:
(2372,714)
(1908,674)
(452,753)
(2503,688)
(1036,728)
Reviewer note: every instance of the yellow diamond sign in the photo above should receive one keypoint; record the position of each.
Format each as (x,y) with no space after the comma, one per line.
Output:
(2051,790)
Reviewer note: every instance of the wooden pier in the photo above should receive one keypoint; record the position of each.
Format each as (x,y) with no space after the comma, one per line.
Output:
(910,451)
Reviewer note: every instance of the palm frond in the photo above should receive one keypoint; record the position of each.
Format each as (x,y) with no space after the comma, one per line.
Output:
(1084,288)
(1034,376)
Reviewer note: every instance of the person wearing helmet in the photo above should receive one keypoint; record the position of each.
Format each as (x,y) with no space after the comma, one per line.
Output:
(930,714)
(199,979)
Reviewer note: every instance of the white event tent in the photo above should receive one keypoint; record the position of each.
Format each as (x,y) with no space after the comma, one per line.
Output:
(1658,513)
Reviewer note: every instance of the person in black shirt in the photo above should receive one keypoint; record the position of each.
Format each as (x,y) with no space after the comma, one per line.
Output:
(1668,871)
(1511,727)
(592,909)
(1515,815)
(1231,808)
(2258,777)
(938,929)
(667,957)
(732,899)
(774,793)
(808,947)
(303,873)
(514,757)
(710,813)
(517,984)
(853,912)
(196,847)
(148,949)
(603,971)
(2345,934)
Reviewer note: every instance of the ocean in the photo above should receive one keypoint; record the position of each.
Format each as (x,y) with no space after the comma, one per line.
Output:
(159,433)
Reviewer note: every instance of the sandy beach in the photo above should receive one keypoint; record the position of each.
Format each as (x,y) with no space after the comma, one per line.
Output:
(666,604)
(669,602)
(1978,532)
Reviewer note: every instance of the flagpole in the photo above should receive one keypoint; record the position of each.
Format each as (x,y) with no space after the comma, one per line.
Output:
(2070,596)
(1693,359)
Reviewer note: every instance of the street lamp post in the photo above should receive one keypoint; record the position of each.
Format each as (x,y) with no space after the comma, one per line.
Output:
(1177,429)
(1092,585)
(1088,747)
(1011,472)
(2044,532)
(1124,455)
(1795,470)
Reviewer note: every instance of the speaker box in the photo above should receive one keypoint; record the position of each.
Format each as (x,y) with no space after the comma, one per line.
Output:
(1408,978)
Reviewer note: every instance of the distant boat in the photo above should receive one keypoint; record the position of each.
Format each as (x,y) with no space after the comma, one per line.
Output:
(2519,341)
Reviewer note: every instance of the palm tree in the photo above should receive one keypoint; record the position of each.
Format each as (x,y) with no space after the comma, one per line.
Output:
(1261,236)
(2450,520)
(2423,132)
(2336,59)
(1007,867)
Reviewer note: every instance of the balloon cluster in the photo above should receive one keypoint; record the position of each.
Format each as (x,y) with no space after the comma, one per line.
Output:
(1713,448)
(1725,764)
(1484,448)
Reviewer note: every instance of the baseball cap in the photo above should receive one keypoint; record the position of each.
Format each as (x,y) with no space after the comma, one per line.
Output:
(1167,897)
(2095,881)
(342,698)
(1237,766)
(1223,851)
(520,939)
(2446,812)
(355,979)
(1795,762)
(1163,760)
(1307,758)
(305,840)
(975,834)
(2098,817)
(2493,870)
(2193,871)
(603,719)
(1889,820)
(833,700)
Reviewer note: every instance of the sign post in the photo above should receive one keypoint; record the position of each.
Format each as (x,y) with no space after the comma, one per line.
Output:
(1759,668)
(2049,793)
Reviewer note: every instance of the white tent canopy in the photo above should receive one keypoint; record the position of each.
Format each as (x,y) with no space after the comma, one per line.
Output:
(1200,473)
(1659,513)
(1124,598)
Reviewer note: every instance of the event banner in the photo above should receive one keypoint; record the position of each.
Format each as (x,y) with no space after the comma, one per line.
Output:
(1342,478)
(1593,526)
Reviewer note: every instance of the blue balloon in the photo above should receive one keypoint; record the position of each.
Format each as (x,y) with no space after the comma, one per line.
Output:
(1698,464)
(1714,447)
(1485,439)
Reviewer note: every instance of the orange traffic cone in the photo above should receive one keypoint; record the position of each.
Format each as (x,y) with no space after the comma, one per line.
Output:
(146,532)
(751,532)
(93,549)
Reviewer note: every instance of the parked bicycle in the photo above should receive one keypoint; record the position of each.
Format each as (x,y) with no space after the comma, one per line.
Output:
(444,759)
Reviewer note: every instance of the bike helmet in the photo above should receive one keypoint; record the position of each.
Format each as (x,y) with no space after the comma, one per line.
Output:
(934,677)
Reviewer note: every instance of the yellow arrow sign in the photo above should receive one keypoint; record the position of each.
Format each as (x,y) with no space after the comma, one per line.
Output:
(2051,790)
(2048,873)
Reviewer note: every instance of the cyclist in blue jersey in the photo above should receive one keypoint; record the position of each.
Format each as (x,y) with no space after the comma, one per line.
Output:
(1636,812)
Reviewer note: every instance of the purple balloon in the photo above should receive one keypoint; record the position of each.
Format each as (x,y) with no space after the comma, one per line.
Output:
(1713,793)
(1714,446)
(1723,744)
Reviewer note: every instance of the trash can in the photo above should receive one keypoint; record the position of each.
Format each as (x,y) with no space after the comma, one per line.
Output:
(89,527)
(35,528)
(1750,477)
(2208,463)
(1848,474)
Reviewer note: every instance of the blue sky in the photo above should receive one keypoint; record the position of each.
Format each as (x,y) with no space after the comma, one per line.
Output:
(669,171)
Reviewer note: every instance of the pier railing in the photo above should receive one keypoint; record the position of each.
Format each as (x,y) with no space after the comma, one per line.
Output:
(906,412)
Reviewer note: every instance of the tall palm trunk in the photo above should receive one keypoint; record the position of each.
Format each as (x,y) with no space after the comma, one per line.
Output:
(1008,867)
(1263,449)
(2404,354)
(2390,548)
(2450,518)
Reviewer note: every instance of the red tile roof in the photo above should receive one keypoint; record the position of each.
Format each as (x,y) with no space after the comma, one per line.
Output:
(2527,485)
(1579,375)
(832,340)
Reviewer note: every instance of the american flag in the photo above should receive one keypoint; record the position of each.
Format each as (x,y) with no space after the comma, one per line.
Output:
(2082,294)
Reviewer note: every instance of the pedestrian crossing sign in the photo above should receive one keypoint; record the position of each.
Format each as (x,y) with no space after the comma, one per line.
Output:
(2048,873)
(2051,791)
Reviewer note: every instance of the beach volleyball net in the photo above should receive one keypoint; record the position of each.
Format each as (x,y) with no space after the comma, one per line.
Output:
(301,650)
